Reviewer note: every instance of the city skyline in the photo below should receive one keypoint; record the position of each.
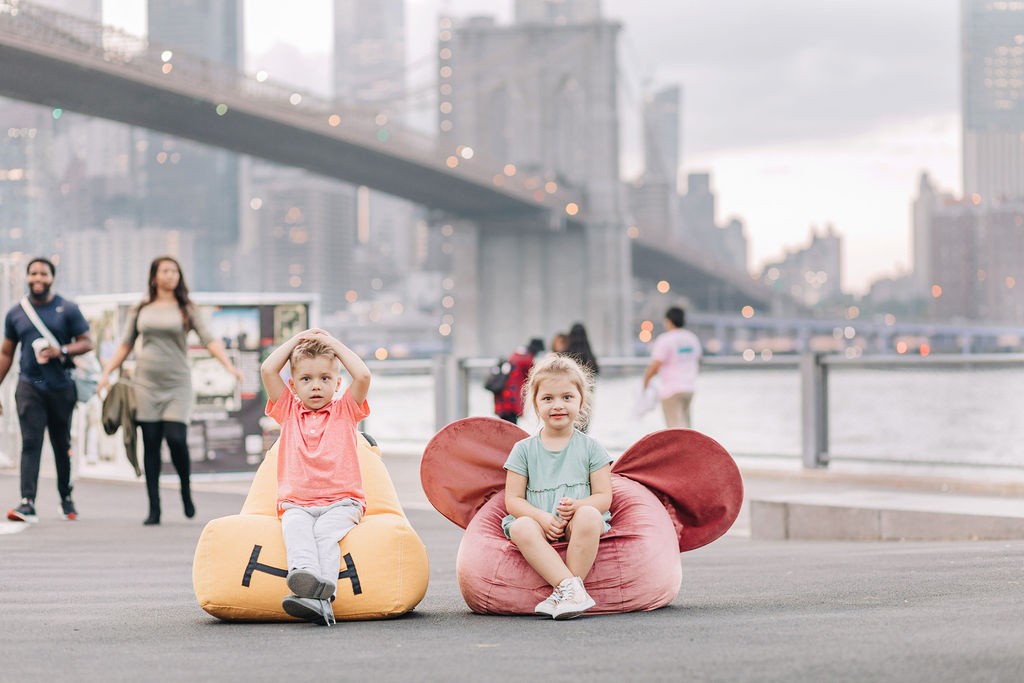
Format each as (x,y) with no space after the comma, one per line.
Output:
(821,116)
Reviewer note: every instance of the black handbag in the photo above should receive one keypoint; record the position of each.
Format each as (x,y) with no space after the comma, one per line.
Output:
(497,377)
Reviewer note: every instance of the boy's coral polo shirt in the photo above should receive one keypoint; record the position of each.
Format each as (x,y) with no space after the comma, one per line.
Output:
(316,454)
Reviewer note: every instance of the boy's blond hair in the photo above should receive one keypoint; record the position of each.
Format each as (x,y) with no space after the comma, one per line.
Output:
(562,365)
(311,348)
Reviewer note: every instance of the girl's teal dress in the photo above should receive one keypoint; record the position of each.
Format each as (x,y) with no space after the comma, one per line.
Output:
(553,475)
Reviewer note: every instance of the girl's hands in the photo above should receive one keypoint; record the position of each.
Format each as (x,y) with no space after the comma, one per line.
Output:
(567,508)
(553,527)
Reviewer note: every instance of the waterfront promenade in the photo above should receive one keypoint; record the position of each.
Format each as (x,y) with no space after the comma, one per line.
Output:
(106,599)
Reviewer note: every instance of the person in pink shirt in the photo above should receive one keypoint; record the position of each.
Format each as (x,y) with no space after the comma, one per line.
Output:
(319,489)
(675,359)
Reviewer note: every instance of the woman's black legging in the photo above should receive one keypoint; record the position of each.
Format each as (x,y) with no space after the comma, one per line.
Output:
(176,434)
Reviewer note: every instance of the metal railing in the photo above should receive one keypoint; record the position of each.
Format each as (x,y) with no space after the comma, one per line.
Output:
(815,371)
(455,379)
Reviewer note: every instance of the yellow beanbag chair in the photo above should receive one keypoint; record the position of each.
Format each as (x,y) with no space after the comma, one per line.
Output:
(239,569)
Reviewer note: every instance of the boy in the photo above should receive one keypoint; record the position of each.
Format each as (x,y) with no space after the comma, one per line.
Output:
(319,488)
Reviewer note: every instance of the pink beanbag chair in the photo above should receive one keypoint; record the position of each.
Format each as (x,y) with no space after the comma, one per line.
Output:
(672,491)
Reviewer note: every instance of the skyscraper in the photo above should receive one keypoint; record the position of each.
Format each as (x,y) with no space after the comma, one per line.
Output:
(369,51)
(992,71)
(369,70)
(190,186)
(661,135)
(558,12)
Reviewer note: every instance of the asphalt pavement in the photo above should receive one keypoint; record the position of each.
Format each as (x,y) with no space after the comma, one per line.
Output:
(104,598)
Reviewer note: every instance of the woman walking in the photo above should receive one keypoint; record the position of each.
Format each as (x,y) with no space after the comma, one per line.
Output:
(162,379)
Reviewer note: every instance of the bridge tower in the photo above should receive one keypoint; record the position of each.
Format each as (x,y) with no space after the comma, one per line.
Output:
(538,98)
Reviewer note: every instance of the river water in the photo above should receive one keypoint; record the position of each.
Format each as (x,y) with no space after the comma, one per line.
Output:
(907,415)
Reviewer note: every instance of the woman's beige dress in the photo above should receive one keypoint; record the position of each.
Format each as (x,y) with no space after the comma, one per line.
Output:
(162,376)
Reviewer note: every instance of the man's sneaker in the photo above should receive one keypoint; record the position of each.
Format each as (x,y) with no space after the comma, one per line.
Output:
(313,610)
(26,512)
(68,508)
(573,599)
(547,607)
(306,584)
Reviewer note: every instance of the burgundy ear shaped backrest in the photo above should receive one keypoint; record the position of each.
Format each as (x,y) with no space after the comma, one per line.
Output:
(462,466)
(694,477)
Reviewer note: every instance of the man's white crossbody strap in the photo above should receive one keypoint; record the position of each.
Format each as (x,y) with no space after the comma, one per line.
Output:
(34,317)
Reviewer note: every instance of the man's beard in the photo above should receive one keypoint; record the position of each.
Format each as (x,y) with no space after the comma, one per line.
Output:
(42,296)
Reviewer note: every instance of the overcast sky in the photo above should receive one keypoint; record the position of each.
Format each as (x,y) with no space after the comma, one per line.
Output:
(805,112)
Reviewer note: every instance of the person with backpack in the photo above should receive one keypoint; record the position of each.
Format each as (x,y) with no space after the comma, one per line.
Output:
(508,403)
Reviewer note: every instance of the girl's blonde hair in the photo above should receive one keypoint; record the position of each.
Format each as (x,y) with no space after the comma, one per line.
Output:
(561,365)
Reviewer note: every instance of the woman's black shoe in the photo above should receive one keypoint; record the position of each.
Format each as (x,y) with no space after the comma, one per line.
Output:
(152,520)
(190,509)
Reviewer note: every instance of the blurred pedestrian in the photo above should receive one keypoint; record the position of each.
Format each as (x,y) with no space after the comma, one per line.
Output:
(508,403)
(560,343)
(162,379)
(579,348)
(51,330)
(675,359)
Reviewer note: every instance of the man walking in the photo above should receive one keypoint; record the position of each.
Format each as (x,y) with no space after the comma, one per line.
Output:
(50,330)
(675,358)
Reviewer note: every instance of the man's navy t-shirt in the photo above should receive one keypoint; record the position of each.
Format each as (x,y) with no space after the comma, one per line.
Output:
(65,321)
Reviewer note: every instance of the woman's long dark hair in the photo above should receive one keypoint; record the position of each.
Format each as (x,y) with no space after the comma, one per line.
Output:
(180,292)
(579,348)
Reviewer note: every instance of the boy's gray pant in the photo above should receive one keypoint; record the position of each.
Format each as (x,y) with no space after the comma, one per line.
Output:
(311,535)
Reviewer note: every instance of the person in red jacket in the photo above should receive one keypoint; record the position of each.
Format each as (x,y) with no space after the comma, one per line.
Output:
(508,404)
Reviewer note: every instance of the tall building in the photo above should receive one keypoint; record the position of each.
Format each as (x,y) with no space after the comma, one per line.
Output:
(992,72)
(557,12)
(306,234)
(661,135)
(27,215)
(54,165)
(811,275)
(921,236)
(654,198)
(369,52)
(115,258)
(369,71)
(190,186)
(954,262)
(1001,263)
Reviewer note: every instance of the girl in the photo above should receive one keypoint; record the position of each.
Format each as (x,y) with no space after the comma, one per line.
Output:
(558,486)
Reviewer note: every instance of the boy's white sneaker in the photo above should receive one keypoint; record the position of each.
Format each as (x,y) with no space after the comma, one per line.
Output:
(573,599)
